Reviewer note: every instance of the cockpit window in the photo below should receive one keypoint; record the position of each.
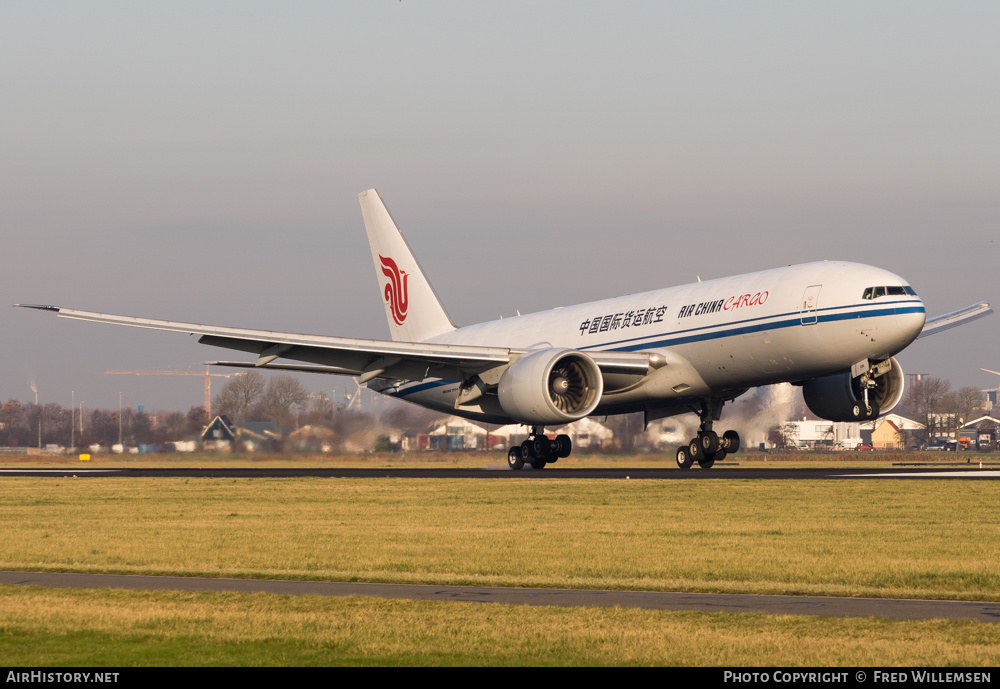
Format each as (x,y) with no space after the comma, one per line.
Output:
(892,290)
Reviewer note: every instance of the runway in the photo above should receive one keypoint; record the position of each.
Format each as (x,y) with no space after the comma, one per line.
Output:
(825,606)
(909,472)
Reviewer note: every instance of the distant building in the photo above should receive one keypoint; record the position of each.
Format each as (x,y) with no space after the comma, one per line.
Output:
(811,434)
(453,433)
(894,432)
(221,432)
(818,433)
(886,436)
(458,434)
(982,433)
(311,439)
(584,434)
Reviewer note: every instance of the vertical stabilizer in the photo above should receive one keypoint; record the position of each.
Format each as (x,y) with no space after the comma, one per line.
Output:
(412,308)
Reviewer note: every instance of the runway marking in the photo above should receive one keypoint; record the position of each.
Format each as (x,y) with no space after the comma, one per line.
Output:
(972,473)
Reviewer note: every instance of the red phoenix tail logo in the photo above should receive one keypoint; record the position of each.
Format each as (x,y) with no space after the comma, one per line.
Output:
(395,289)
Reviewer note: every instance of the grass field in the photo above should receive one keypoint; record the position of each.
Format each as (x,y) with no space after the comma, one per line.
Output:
(65,627)
(921,539)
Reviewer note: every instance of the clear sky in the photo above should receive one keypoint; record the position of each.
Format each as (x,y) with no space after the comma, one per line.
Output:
(200,161)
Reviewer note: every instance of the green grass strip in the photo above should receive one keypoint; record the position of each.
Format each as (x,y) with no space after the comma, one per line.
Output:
(65,627)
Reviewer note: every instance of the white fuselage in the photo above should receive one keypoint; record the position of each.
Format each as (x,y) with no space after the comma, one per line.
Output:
(718,336)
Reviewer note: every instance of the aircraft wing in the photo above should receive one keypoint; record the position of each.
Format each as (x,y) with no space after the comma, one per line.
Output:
(955,318)
(368,359)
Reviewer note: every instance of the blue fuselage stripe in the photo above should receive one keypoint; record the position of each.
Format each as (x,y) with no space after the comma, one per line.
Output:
(761,327)
(794,319)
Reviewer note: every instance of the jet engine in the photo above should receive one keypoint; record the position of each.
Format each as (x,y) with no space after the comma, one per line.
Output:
(551,386)
(840,397)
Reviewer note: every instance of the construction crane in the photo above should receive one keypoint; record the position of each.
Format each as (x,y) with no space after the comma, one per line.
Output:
(208,381)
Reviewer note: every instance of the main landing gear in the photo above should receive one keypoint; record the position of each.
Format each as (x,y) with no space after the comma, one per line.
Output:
(538,450)
(708,448)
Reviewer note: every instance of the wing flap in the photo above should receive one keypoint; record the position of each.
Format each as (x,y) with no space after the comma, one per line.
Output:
(302,368)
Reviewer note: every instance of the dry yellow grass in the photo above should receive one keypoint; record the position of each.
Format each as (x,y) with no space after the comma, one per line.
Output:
(873,538)
(889,538)
(120,628)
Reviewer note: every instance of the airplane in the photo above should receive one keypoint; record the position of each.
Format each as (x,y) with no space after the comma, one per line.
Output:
(831,327)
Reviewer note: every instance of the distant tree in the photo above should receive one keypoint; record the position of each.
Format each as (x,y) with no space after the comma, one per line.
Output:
(174,427)
(281,394)
(925,402)
(101,428)
(141,429)
(15,422)
(55,424)
(321,412)
(239,395)
(963,404)
(197,419)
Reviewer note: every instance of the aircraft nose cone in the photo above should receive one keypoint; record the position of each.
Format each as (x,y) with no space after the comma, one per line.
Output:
(910,318)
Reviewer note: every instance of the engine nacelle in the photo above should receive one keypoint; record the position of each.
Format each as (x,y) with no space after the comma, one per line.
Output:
(840,397)
(551,386)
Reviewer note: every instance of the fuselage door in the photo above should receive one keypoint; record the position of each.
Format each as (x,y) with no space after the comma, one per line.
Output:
(810,305)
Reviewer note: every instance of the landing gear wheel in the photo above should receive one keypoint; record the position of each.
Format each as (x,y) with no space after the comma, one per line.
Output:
(719,456)
(527,450)
(683,458)
(709,442)
(694,450)
(562,446)
(514,459)
(706,462)
(731,442)
(541,447)
(872,411)
(538,463)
